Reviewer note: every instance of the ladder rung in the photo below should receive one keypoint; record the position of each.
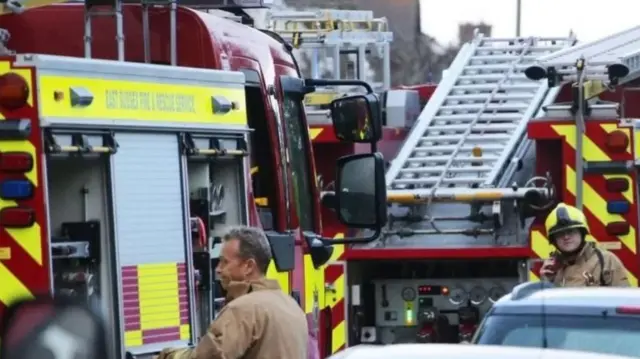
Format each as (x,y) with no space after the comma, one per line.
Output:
(441,158)
(465,148)
(485,96)
(470,138)
(494,77)
(502,58)
(531,86)
(515,48)
(485,117)
(477,127)
(433,180)
(561,40)
(484,107)
(452,169)
(496,67)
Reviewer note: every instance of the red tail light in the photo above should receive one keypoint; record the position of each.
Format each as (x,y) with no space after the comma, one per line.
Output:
(16,162)
(17,217)
(618,228)
(617,184)
(14,91)
(617,141)
(628,310)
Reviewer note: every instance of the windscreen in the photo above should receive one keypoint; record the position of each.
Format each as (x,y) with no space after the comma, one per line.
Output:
(601,334)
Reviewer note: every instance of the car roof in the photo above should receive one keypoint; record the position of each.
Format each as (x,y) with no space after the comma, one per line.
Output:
(526,298)
(461,351)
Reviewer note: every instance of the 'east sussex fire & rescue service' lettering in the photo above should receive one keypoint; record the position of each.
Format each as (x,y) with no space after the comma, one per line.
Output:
(149,101)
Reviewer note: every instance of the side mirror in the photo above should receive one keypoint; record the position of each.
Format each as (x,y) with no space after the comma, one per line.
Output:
(361,192)
(357,118)
(360,201)
(52,328)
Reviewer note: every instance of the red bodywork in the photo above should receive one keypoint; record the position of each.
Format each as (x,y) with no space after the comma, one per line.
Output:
(203,41)
(24,259)
(555,155)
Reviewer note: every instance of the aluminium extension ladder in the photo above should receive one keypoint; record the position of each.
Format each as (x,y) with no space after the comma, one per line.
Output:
(475,120)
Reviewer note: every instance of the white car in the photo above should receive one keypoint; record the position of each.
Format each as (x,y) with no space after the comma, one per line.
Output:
(461,351)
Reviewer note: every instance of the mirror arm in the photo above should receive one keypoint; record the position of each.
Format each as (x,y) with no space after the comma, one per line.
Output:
(322,82)
(353,240)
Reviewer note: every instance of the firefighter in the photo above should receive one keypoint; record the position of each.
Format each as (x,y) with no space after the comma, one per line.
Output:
(576,261)
(259,320)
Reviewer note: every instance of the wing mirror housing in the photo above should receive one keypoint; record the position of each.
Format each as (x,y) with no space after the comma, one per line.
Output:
(360,201)
(357,118)
(361,193)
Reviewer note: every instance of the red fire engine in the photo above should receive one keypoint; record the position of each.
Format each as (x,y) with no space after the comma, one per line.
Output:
(107,166)
(502,138)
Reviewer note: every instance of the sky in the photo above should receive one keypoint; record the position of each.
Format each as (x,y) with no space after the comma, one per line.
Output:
(589,19)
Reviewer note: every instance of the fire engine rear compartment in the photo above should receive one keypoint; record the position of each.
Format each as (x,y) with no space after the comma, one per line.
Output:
(390,301)
(89,252)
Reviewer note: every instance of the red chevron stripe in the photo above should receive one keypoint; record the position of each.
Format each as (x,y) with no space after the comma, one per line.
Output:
(332,273)
(337,313)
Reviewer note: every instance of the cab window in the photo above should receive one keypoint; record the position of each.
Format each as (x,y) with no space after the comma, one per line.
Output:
(298,151)
(262,170)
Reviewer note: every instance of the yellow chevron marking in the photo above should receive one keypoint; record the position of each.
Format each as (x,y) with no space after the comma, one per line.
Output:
(254,170)
(314,278)
(636,144)
(281,277)
(12,288)
(540,245)
(598,206)
(338,335)
(315,132)
(338,249)
(27,238)
(590,151)
(533,277)
(610,127)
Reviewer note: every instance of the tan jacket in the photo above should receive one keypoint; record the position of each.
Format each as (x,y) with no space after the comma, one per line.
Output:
(586,270)
(259,321)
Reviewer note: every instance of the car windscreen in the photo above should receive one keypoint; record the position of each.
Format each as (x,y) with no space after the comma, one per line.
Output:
(601,334)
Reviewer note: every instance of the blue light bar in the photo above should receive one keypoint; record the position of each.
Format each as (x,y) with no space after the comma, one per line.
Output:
(16,189)
(618,207)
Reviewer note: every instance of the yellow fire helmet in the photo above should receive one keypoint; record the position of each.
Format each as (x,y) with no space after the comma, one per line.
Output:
(565,217)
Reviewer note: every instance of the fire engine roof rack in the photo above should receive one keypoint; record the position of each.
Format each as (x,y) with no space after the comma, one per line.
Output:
(612,60)
(342,31)
(93,8)
(474,121)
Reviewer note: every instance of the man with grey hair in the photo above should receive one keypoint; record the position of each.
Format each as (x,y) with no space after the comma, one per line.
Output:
(259,320)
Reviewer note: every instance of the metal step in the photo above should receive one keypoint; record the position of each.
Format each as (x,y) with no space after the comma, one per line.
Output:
(477,116)
(620,48)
